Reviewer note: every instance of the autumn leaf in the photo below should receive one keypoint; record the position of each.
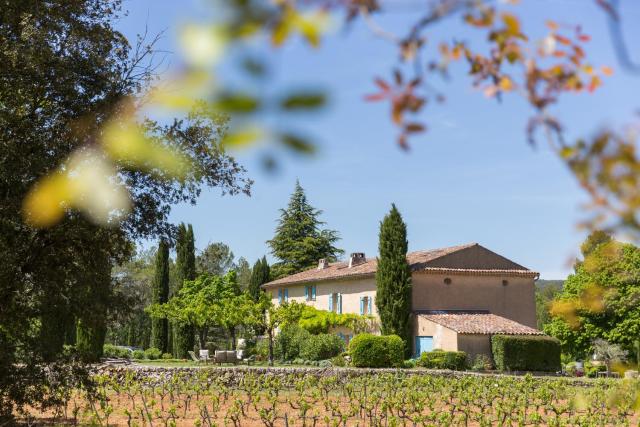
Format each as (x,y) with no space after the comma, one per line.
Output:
(512,23)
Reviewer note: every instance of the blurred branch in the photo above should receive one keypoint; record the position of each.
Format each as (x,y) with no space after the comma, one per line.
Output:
(612,7)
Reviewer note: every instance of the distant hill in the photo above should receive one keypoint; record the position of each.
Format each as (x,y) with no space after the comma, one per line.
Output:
(542,284)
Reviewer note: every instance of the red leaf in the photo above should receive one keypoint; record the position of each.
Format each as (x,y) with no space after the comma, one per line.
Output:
(375,97)
(584,38)
(382,84)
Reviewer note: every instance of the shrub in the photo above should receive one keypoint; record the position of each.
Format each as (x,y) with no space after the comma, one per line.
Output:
(525,353)
(482,362)
(288,342)
(152,353)
(440,359)
(409,364)
(115,352)
(591,369)
(321,347)
(262,350)
(375,351)
(138,354)
(167,356)
(325,364)
(339,360)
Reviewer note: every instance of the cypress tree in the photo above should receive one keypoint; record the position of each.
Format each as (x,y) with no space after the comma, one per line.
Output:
(393,278)
(159,327)
(184,336)
(300,241)
(259,276)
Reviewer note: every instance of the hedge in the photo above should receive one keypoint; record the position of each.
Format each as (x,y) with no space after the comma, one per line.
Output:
(526,353)
(440,359)
(321,347)
(375,351)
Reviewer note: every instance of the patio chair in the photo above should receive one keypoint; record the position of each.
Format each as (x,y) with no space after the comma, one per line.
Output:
(204,355)
(194,357)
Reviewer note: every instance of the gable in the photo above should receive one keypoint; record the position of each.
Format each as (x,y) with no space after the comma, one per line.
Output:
(474,257)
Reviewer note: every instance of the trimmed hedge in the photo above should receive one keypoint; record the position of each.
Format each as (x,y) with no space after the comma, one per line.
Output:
(375,351)
(526,353)
(321,347)
(440,359)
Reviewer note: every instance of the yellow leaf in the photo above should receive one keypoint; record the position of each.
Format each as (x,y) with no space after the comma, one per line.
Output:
(506,84)
(607,71)
(44,204)
(243,138)
(512,24)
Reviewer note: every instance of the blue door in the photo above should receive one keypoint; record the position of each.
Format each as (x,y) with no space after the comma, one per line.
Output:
(423,344)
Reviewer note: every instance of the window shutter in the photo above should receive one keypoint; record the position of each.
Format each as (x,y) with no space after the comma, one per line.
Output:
(361,305)
(286,295)
(279,296)
(370,312)
(330,302)
(306,292)
(313,292)
(339,303)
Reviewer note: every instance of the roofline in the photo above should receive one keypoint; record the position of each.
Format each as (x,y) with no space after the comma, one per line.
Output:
(427,270)
(537,333)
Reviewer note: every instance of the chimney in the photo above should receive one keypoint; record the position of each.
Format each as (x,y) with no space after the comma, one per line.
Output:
(356,258)
(322,264)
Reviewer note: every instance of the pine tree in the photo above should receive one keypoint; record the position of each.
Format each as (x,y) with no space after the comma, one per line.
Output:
(299,241)
(184,335)
(159,327)
(259,276)
(393,278)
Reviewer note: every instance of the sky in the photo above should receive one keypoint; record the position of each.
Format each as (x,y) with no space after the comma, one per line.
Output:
(471,178)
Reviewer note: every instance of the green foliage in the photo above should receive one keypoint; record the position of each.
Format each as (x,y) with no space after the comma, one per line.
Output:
(299,241)
(393,278)
(440,359)
(259,276)
(321,347)
(339,361)
(138,354)
(160,294)
(183,333)
(321,321)
(262,350)
(482,362)
(525,353)
(90,339)
(216,259)
(600,299)
(289,341)
(546,292)
(376,351)
(113,351)
(167,356)
(152,353)
(243,271)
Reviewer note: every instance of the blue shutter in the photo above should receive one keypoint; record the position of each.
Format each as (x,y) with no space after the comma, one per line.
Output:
(361,305)
(330,302)
(279,296)
(313,292)
(370,312)
(306,292)
(339,303)
(286,295)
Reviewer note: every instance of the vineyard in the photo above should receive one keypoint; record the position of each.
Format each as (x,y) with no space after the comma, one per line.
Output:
(342,397)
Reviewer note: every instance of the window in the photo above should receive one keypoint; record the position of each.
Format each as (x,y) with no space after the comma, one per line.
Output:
(310,293)
(283,295)
(335,303)
(366,305)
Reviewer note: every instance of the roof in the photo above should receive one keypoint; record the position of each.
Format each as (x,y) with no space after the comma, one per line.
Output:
(426,261)
(479,323)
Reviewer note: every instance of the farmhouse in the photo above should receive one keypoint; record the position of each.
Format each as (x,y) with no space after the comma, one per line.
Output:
(461,295)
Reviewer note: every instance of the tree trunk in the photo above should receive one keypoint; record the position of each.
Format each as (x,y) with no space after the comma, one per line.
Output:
(232,332)
(270,333)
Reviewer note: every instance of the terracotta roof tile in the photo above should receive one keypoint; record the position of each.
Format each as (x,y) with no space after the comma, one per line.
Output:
(480,323)
(417,260)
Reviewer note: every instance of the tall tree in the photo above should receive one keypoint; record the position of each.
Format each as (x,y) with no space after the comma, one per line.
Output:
(259,276)
(183,333)
(243,270)
(299,241)
(393,278)
(216,259)
(160,295)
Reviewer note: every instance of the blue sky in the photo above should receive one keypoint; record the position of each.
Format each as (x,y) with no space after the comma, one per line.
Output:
(471,178)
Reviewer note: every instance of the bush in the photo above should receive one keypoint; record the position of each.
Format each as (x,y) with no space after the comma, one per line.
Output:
(410,363)
(321,347)
(167,356)
(591,369)
(138,354)
(526,353)
(440,359)
(288,342)
(375,351)
(262,350)
(339,360)
(152,353)
(325,364)
(115,352)
(482,362)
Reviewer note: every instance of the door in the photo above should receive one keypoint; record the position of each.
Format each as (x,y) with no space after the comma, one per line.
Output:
(423,344)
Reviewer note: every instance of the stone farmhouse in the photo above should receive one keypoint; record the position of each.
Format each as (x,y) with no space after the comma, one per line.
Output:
(461,295)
